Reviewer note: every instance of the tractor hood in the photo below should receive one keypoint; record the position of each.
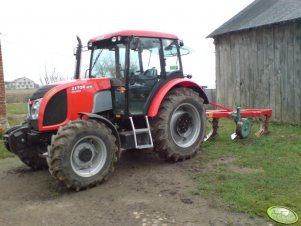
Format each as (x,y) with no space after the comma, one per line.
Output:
(41,91)
(98,82)
(54,105)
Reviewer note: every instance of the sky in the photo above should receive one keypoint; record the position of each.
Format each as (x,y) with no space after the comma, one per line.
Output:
(40,36)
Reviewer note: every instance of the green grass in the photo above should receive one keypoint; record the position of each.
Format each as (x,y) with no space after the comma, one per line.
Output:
(253,174)
(16,108)
(15,114)
(3,152)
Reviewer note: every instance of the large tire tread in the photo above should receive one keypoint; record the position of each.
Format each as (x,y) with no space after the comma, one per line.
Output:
(56,153)
(160,124)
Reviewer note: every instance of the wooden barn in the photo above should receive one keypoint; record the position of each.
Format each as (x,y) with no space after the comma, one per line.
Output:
(258,59)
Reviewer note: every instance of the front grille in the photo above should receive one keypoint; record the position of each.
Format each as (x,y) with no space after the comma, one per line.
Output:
(56,109)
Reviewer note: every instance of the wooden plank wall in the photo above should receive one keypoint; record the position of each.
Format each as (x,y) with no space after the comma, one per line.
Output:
(261,68)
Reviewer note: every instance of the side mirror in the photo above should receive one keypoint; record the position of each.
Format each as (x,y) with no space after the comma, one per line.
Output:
(136,44)
(181,43)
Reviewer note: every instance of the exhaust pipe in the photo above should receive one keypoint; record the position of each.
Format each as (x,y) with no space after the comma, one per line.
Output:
(78,55)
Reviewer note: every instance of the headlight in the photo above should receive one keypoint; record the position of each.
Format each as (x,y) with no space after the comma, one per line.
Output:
(34,112)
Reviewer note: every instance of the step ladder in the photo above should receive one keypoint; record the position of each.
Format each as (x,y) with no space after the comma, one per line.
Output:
(142,131)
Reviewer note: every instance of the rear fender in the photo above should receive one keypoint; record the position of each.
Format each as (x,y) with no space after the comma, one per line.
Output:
(176,83)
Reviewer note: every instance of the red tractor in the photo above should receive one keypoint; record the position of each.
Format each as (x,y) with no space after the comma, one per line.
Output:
(136,96)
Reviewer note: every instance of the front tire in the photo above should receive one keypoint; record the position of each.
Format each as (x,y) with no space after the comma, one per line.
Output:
(82,154)
(179,127)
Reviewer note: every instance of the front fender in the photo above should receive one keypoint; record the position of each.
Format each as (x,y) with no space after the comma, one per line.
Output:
(157,100)
(107,122)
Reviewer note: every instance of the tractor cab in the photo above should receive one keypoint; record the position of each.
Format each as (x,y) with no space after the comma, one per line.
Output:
(137,67)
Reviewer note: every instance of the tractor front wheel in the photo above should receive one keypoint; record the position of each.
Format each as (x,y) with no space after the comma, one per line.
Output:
(82,154)
(179,128)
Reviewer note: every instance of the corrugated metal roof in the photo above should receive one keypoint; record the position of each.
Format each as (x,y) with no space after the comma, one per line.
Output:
(260,13)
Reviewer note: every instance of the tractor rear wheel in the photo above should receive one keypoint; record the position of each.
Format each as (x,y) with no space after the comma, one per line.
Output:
(179,127)
(82,154)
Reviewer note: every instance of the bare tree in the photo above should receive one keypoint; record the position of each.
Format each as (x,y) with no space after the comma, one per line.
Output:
(106,66)
(51,77)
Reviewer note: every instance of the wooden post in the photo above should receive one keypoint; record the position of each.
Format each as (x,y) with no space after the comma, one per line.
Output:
(3,119)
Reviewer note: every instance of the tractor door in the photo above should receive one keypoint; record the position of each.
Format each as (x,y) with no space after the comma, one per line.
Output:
(144,72)
(151,61)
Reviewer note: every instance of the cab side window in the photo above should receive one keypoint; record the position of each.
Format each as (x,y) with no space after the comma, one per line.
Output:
(170,50)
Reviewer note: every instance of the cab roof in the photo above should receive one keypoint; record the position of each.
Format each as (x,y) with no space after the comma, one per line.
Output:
(150,34)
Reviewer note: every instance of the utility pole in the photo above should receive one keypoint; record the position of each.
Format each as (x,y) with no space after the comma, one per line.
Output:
(3,119)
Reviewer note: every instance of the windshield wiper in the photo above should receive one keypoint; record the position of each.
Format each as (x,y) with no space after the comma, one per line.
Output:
(98,55)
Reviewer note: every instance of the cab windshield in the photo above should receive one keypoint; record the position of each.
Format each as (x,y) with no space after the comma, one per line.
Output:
(108,61)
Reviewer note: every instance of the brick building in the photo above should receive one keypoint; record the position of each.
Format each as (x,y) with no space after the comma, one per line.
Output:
(3,118)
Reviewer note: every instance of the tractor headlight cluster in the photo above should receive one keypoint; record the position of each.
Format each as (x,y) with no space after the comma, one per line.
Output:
(34,111)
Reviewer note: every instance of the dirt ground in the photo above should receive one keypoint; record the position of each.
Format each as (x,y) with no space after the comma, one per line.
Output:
(143,191)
